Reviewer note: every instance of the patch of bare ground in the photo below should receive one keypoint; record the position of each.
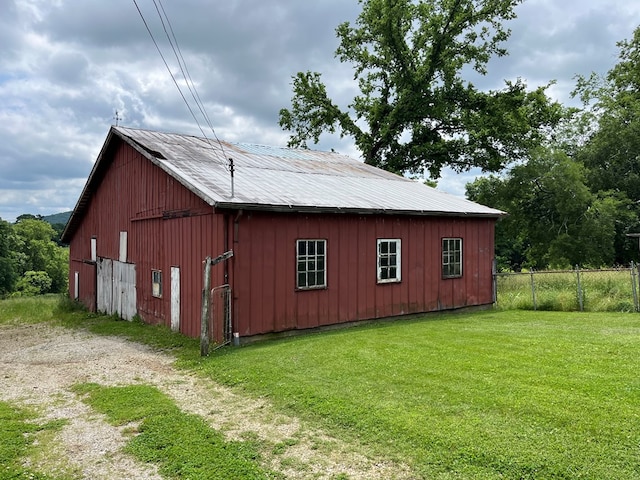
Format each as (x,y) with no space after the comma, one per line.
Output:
(39,364)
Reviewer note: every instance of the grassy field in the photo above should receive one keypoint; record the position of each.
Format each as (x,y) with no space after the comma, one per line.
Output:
(602,291)
(492,395)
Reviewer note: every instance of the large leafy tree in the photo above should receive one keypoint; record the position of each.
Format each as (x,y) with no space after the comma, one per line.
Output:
(8,270)
(612,117)
(415,111)
(37,251)
(555,219)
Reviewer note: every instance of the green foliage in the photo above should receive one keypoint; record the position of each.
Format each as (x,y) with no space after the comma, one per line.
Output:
(33,283)
(182,445)
(415,112)
(554,220)
(612,119)
(495,395)
(8,268)
(26,247)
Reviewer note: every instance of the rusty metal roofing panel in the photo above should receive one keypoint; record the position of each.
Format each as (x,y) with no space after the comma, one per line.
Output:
(290,179)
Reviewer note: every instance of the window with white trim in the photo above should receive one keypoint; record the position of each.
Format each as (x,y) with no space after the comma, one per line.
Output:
(156,283)
(311,260)
(451,257)
(389,260)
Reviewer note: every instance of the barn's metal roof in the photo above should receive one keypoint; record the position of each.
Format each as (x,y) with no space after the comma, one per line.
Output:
(276,178)
(268,177)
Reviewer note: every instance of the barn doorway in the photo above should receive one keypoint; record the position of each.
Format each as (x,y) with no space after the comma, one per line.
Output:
(116,288)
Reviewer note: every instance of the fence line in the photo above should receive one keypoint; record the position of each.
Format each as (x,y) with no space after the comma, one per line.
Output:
(612,289)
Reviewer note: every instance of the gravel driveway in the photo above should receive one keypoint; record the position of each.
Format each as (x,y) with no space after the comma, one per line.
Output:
(39,363)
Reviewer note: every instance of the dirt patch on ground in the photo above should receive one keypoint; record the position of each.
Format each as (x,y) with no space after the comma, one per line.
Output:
(39,364)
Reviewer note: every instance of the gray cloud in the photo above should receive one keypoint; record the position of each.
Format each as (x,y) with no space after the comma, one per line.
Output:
(67,66)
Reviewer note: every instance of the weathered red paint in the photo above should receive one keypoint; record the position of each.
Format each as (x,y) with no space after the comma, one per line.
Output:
(169,226)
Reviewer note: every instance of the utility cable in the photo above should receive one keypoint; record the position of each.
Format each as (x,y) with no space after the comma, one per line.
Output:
(172,75)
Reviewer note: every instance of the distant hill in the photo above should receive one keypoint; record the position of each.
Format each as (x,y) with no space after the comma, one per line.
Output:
(62,218)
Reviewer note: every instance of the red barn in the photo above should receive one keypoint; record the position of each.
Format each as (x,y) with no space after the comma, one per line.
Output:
(317,238)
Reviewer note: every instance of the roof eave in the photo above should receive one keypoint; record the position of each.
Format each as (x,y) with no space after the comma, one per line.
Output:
(350,210)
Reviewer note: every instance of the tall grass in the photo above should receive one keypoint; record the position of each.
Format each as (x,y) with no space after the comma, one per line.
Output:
(28,310)
(602,291)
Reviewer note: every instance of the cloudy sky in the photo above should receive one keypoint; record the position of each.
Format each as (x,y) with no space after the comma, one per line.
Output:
(66,67)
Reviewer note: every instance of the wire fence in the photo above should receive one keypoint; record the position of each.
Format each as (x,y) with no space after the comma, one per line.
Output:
(602,290)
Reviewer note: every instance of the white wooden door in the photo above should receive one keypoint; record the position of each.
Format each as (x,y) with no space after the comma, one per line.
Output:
(104,303)
(175,299)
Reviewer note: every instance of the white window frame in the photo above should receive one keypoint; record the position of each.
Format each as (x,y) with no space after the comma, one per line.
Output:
(389,262)
(156,283)
(451,257)
(310,265)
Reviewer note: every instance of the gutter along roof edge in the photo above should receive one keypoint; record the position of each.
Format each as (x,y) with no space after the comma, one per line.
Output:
(350,210)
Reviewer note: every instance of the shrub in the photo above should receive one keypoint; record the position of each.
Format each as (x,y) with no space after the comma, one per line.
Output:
(34,283)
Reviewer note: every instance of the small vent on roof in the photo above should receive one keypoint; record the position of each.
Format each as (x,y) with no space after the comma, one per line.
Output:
(155,153)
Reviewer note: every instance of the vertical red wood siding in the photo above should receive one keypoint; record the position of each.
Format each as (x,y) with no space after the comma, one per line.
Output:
(169,226)
(166,225)
(265,269)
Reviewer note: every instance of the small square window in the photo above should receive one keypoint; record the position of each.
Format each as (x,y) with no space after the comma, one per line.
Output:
(311,264)
(389,260)
(156,283)
(451,257)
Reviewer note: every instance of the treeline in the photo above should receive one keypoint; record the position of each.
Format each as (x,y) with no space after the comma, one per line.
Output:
(576,199)
(32,261)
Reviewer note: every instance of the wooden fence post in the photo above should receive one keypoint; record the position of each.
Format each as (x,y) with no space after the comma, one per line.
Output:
(580,294)
(494,273)
(533,291)
(206,301)
(633,287)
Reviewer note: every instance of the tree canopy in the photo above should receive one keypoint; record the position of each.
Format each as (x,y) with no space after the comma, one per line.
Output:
(31,262)
(415,111)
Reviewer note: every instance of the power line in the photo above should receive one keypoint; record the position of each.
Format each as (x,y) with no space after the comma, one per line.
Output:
(186,76)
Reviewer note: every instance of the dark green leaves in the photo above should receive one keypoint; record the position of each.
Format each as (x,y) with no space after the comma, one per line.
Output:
(415,112)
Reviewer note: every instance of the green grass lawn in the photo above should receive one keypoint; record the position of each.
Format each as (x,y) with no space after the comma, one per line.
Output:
(498,394)
(181,444)
(492,395)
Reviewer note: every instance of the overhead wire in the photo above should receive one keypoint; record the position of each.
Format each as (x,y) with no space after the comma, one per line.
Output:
(185,74)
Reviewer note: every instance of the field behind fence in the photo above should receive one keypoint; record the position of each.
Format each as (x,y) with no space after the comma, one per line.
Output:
(603,290)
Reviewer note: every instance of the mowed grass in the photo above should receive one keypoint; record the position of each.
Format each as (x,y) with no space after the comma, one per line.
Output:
(497,394)
(492,395)
(17,435)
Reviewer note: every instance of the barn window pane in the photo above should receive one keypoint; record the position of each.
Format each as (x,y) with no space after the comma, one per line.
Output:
(388,260)
(156,283)
(311,261)
(451,257)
